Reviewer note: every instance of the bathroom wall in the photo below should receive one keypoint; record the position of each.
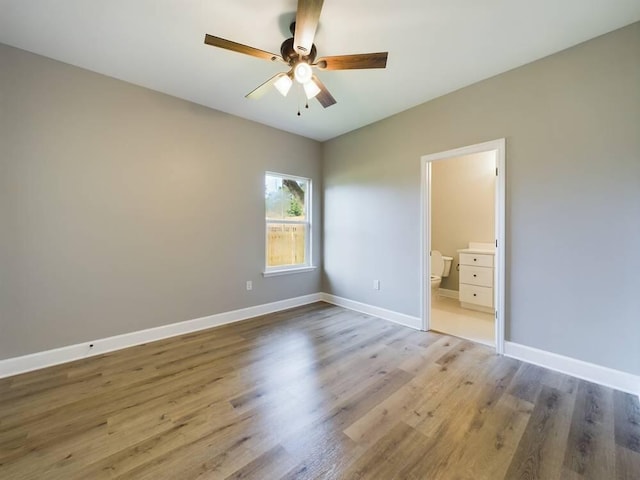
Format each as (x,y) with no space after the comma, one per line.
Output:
(462,206)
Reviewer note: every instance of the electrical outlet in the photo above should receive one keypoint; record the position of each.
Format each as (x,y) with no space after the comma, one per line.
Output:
(376,284)
(249,285)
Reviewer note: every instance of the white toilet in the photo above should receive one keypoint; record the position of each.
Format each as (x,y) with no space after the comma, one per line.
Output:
(440,267)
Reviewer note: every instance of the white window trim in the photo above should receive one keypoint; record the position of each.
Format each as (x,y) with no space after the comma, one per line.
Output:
(301,267)
(288,271)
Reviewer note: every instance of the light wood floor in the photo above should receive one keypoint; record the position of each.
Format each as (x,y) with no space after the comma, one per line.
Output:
(314,392)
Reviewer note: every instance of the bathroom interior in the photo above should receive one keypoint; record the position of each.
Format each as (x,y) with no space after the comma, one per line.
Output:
(463,246)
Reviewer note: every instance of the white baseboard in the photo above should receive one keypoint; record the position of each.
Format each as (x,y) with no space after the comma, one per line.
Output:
(444,292)
(576,368)
(400,318)
(48,358)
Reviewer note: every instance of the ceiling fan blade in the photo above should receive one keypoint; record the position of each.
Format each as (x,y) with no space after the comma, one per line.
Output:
(324,97)
(264,88)
(240,48)
(358,61)
(307,18)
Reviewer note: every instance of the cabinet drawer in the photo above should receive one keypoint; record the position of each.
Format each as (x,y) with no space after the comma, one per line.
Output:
(476,259)
(481,276)
(477,295)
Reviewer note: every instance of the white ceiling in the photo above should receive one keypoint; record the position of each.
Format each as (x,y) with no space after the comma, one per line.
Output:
(435,47)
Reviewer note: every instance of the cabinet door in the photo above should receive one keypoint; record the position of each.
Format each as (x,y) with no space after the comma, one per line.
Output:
(482,276)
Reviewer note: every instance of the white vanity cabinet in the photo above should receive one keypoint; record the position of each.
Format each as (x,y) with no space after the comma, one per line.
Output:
(476,279)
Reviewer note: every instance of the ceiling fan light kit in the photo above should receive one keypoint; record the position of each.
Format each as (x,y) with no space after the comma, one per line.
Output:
(302,72)
(283,84)
(299,53)
(311,89)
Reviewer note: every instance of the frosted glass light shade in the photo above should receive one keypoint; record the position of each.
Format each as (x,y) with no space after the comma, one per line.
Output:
(302,72)
(283,84)
(311,89)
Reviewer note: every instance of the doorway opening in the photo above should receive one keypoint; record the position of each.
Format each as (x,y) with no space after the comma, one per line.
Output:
(463,232)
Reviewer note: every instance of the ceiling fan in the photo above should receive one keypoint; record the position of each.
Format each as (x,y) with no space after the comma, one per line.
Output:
(299,53)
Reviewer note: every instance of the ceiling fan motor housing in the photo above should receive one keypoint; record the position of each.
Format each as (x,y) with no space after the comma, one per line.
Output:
(290,54)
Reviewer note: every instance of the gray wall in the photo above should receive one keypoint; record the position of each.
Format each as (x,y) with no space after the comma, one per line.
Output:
(572,126)
(123,209)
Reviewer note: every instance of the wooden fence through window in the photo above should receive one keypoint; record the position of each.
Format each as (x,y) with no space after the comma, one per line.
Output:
(285,245)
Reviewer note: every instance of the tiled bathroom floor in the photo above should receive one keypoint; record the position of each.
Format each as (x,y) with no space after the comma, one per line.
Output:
(448,317)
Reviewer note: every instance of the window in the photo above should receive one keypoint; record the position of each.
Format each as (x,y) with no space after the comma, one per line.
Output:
(288,222)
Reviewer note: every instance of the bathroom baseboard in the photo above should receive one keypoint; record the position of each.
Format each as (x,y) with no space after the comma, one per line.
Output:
(591,372)
(49,358)
(395,317)
(444,292)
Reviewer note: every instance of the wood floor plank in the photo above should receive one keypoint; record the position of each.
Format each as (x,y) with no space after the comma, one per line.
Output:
(540,451)
(219,444)
(308,393)
(328,457)
(415,364)
(72,419)
(528,382)
(273,464)
(467,415)
(627,464)
(399,449)
(461,384)
(591,445)
(627,420)
(487,452)
(403,404)
(377,422)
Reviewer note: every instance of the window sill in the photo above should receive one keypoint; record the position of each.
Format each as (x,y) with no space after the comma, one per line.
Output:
(287,271)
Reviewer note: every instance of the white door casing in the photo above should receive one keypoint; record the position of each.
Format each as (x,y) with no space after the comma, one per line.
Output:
(500,208)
